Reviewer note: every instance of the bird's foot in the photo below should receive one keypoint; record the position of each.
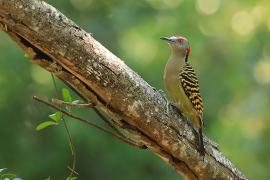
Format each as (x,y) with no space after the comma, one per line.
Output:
(174,106)
(163,94)
(161,91)
(168,104)
(178,110)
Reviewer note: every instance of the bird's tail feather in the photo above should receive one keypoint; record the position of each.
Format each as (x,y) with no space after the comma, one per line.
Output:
(201,145)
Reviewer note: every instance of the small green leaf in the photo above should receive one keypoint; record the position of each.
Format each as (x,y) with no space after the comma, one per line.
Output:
(66,95)
(56,116)
(45,124)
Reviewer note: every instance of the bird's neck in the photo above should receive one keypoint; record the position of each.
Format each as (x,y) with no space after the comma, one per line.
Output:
(177,61)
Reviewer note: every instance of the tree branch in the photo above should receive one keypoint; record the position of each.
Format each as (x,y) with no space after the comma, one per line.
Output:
(118,136)
(57,44)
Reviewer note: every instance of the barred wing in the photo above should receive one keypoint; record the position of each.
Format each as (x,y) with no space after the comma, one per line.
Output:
(190,85)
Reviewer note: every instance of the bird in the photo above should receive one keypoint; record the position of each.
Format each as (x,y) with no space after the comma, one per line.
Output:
(182,85)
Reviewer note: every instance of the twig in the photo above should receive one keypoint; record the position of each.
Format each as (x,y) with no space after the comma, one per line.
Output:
(107,121)
(87,105)
(72,170)
(73,153)
(70,143)
(72,105)
(124,139)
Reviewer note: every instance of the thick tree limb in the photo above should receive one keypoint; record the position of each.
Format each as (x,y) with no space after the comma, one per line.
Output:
(61,47)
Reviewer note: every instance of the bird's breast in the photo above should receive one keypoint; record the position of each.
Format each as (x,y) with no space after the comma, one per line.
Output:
(171,79)
(175,90)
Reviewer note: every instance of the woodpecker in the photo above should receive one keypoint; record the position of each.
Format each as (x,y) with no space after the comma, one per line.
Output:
(182,85)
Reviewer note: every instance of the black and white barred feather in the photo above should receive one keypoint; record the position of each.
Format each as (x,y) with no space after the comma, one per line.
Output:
(190,85)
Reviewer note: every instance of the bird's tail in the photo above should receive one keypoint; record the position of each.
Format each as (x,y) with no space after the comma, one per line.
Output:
(201,145)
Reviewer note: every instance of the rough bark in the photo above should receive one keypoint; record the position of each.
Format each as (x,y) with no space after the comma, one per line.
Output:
(57,44)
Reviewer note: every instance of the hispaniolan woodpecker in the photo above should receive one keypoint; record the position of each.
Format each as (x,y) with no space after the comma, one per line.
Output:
(182,85)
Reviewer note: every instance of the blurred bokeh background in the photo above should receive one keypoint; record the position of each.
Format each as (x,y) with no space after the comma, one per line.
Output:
(230,50)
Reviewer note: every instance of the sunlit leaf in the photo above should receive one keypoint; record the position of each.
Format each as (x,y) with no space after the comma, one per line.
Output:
(16,178)
(72,178)
(56,116)
(76,101)
(1,170)
(8,176)
(66,95)
(45,124)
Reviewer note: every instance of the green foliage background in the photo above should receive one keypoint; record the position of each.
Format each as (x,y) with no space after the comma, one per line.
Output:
(229,50)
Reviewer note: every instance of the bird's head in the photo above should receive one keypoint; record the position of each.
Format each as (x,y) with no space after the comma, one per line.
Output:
(179,45)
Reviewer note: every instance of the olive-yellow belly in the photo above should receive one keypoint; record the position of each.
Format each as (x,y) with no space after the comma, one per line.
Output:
(177,95)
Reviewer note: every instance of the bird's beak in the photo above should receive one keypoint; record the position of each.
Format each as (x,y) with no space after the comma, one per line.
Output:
(167,39)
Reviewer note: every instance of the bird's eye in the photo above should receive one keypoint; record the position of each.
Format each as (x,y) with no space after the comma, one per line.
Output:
(180,40)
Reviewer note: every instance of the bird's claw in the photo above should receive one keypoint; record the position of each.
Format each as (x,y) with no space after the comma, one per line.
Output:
(168,104)
(161,91)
